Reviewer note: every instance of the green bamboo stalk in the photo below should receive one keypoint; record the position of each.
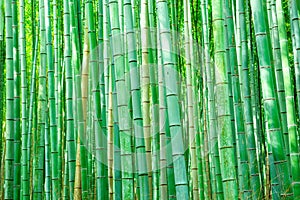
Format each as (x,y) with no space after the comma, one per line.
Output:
(163,190)
(294,26)
(279,76)
(196,73)
(58,79)
(226,138)
(103,82)
(137,26)
(90,140)
(170,72)
(244,178)
(109,100)
(231,101)
(154,98)
(33,60)
(70,131)
(145,85)
(9,144)
(84,139)
(170,164)
(174,25)
(17,94)
(24,162)
(289,93)
(34,20)
(33,138)
(65,177)
(85,90)
(129,101)
(77,103)
(202,149)
(91,143)
(110,143)
(122,99)
(47,184)
(218,193)
(142,161)
(61,99)
(75,33)
(199,110)
(212,126)
(136,13)
(117,176)
(31,113)
(164,129)
(295,29)
(2,19)
(275,187)
(293,142)
(244,56)
(77,182)
(117,152)
(103,68)
(154,122)
(255,91)
(38,159)
(55,177)
(190,102)
(79,19)
(2,63)
(101,152)
(271,108)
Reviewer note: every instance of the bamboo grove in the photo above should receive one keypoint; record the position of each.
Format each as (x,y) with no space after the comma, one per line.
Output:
(144,99)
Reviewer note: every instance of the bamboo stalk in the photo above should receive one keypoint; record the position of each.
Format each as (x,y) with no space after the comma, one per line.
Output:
(270,102)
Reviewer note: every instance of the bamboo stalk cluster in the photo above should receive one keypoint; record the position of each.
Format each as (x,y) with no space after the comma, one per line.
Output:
(140,99)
